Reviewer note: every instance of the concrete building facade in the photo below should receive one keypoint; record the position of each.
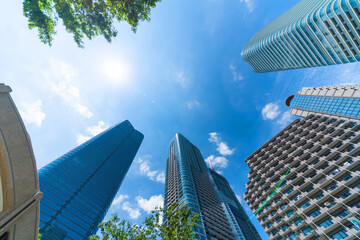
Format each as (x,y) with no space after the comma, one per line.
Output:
(321,153)
(19,185)
(312,33)
(80,186)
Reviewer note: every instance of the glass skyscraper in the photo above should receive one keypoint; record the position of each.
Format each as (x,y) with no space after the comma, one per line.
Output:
(312,33)
(80,186)
(188,182)
(239,221)
(304,183)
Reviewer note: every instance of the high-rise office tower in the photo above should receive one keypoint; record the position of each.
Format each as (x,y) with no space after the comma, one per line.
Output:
(305,181)
(312,33)
(239,221)
(188,182)
(79,187)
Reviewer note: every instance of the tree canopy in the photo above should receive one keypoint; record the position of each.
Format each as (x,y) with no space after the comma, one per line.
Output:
(179,224)
(85,17)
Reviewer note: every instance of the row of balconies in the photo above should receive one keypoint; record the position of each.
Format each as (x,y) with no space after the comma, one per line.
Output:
(334,156)
(326,152)
(299,223)
(307,172)
(321,128)
(306,145)
(311,201)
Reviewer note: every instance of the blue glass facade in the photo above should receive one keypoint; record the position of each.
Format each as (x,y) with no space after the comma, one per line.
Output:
(180,185)
(80,186)
(239,221)
(188,182)
(333,105)
(312,33)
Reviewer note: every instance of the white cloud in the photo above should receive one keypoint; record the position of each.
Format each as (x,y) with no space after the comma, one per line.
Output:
(134,213)
(192,104)
(216,162)
(236,75)
(150,204)
(249,4)
(92,131)
(160,177)
(239,198)
(183,80)
(117,201)
(145,170)
(32,113)
(336,75)
(270,111)
(61,78)
(285,119)
(81,139)
(116,72)
(222,147)
(99,128)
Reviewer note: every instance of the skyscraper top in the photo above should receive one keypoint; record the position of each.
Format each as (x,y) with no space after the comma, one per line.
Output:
(188,181)
(312,33)
(297,13)
(79,186)
(339,100)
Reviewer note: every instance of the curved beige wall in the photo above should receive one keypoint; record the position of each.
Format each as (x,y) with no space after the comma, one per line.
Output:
(19,213)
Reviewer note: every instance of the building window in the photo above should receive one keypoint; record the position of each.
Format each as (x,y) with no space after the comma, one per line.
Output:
(342,214)
(290,213)
(298,221)
(307,230)
(315,213)
(274,232)
(292,236)
(326,223)
(289,191)
(284,227)
(339,235)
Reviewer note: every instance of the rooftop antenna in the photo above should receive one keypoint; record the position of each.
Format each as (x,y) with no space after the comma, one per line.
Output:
(211,166)
(218,167)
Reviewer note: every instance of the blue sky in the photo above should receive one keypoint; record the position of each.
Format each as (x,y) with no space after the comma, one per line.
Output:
(182,72)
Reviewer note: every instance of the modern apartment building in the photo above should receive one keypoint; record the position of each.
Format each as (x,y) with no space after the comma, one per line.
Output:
(312,33)
(19,184)
(80,186)
(319,159)
(188,181)
(239,221)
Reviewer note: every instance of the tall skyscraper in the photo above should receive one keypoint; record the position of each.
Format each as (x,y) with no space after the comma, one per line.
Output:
(305,181)
(80,186)
(312,33)
(188,181)
(239,221)
(19,184)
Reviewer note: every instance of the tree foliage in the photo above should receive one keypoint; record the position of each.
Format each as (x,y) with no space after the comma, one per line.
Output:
(85,17)
(179,224)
